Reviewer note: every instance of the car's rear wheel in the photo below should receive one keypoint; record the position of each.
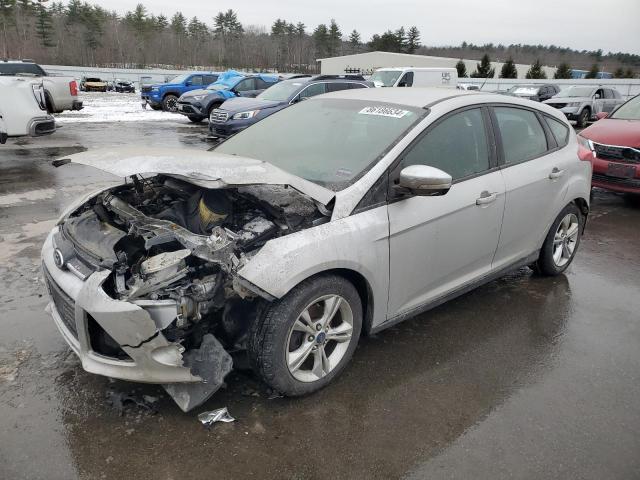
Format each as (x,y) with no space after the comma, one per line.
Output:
(170,103)
(562,242)
(583,118)
(304,340)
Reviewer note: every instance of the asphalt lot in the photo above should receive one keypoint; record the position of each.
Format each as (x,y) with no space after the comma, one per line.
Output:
(526,377)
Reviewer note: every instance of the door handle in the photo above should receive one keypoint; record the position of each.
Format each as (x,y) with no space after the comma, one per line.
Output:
(486,197)
(555,173)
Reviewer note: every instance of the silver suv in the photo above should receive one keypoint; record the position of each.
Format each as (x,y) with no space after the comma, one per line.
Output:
(583,103)
(337,216)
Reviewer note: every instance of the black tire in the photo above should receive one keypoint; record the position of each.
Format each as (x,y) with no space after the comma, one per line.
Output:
(195,118)
(155,107)
(269,334)
(583,118)
(546,265)
(170,103)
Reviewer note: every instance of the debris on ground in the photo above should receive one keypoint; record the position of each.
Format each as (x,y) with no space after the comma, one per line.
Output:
(213,416)
(120,401)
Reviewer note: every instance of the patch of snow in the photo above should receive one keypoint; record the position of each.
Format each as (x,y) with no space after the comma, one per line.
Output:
(115,107)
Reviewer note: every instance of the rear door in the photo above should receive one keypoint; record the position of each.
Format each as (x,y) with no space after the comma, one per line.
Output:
(440,243)
(535,173)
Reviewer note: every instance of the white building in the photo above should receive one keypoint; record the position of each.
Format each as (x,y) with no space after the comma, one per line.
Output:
(367,63)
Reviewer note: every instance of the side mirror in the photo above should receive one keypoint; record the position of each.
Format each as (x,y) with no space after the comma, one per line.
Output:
(597,96)
(424,180)
(601,115)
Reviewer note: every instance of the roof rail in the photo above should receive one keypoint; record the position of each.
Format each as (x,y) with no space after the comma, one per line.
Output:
(339,77)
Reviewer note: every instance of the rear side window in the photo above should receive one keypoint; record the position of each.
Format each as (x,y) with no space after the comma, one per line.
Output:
(467,155)
(336,86)
(522,135)
(560,131)
(608,93)
(261,84)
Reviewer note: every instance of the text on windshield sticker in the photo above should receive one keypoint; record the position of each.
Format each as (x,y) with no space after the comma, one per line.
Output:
(384,112)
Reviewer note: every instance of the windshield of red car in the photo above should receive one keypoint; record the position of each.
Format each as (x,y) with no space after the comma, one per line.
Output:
(629,110)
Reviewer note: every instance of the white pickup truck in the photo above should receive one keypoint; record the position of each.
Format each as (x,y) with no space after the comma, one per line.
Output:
(24,110)
(61,93)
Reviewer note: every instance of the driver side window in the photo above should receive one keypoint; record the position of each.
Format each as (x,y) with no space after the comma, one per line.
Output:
(246,85)
(196,80)
(457,145)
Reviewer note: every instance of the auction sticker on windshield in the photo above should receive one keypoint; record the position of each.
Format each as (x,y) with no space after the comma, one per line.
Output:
(384,112)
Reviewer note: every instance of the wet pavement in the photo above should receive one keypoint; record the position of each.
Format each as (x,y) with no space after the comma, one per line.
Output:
(526,377)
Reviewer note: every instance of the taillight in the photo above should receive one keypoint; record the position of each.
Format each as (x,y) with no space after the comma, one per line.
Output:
(73,88)
(586,150)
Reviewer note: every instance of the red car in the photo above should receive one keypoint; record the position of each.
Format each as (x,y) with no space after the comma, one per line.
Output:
(612,144)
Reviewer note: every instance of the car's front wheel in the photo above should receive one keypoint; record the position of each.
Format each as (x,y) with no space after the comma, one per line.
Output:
(305,339)
(562,241)
(583,118)
(170,103)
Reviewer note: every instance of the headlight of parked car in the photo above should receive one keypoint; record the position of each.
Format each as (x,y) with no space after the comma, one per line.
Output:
(573,104)
(155,89)
(245,115)
(197,98)
(585,142)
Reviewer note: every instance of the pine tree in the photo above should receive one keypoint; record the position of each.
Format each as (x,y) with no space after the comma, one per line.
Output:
(509,69)
(413,40)
(563,71)
(335,39)
(401,40)
(321,40)
(462,69)
(44,26)
(7,19)
(593,73)
(354,41)
(483,69)
(179,24)
(536,71)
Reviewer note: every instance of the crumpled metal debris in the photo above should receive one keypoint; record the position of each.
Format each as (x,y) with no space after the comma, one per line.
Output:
(121,400)
(213,416)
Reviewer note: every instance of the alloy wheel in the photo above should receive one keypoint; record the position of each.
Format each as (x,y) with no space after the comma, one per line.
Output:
(565,239)
(319,338)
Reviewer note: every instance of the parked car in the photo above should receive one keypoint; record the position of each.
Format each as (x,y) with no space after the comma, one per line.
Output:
(296,235)
(583,103)
(236,114)
(415,77)
(614,146)
(535,92)
(124,86)
(61,92)
(24,107)
(164,96)
(198,104)
(93,84)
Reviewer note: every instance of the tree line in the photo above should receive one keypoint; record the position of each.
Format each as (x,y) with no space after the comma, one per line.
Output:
(484,69)
(79,33)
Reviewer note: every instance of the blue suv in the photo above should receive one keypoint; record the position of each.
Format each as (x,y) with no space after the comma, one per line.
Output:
(164,96)
(238,113)
(198,104)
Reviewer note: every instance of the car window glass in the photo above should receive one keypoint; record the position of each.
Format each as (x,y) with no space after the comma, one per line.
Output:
(560,131)
(313,90)
(608,93)
(246,85)
(196,80)
(261,84)
(208,79)
(406,80)
(336,86)
(522,135)
(465,156)
(357,85)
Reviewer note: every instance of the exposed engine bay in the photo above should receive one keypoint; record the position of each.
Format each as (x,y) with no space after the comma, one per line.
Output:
(165,240)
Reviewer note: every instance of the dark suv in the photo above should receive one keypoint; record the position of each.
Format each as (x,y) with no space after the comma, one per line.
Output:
(238,113)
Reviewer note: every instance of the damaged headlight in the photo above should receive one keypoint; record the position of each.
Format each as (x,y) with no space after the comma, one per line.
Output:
(245,115)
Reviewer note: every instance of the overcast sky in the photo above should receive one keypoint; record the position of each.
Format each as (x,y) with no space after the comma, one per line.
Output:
(612,25)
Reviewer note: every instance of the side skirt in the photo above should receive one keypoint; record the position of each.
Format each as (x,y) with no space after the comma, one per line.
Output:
(456,293)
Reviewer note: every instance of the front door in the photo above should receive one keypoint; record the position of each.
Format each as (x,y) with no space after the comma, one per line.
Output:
(439,243)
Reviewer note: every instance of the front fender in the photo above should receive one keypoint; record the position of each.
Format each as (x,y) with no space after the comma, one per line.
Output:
(359,243)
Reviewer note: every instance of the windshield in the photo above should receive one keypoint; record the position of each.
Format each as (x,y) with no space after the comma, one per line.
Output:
(218,86)
(20,68)
(629,110)
(575,92)
(385,78)
(524,90)
(332,142)
(179,79)
(280,92)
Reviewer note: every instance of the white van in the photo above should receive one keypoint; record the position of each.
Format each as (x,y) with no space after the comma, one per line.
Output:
(415,77)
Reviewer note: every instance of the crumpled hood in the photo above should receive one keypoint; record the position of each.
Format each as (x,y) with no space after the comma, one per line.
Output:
(241,104)
(205,169)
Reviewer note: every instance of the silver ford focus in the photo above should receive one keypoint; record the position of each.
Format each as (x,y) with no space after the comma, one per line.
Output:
(339,216)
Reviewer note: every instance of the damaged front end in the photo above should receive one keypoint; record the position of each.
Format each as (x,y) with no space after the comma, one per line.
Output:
(143,277)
